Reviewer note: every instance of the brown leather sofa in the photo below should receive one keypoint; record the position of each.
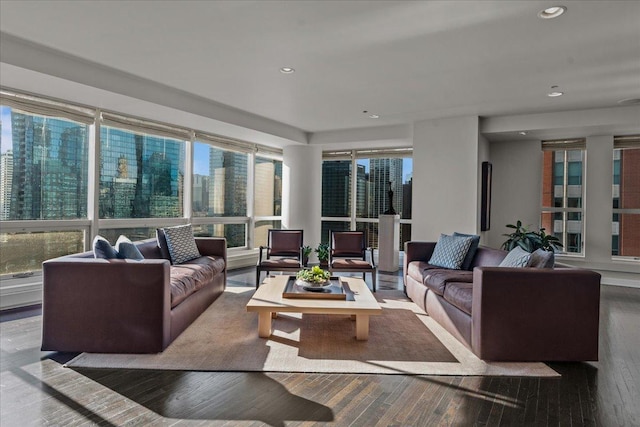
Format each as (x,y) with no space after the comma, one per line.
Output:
(508,314)
(125,306)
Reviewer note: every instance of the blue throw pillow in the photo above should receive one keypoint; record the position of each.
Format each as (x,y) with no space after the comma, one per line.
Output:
(127,249)
(103,249)
(466,264)
(517,257)
(181,243)
(541,259)
(450,251)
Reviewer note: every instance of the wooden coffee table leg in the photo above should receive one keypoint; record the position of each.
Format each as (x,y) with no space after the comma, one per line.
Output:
(264,324)
(362,327)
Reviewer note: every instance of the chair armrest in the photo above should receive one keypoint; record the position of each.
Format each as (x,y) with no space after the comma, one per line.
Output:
(212,246)
(535,314)
(99,305)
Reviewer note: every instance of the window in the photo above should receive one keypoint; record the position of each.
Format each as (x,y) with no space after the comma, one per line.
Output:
(336,188)
(563,192)
(141,176)
(625,235)
(354,201)
(44,167)
(43,179)
(219,181)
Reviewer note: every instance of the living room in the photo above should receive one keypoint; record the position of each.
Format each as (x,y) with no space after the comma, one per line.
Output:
(446,86)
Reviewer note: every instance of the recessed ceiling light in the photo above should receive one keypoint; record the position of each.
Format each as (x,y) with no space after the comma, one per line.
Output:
(374,116)
(522,133)
(552,12)
(554,92)
(287,70)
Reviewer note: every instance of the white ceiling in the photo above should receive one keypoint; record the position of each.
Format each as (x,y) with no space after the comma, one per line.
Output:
(405,61)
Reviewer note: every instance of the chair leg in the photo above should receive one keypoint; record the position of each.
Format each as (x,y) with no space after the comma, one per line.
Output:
(373,280)
(257,277)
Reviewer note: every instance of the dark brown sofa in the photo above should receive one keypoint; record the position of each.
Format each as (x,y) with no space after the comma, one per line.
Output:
(508,314)
(125,306)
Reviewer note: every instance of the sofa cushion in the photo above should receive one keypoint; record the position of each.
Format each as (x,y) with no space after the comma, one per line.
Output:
(541,259)
(460,294)
(450,251)
(189,277)
(437,279)
(181,243)
(517,257)
(475,242)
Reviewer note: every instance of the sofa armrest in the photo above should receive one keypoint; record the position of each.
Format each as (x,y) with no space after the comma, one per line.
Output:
(99,305)
(535,314)
(212,246)
(415,250)
(418,251)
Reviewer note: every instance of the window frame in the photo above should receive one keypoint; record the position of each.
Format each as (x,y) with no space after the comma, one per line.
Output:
(565,146)
(354,156)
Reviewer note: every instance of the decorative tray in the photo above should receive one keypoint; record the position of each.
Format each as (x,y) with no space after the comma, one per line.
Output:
(336,289)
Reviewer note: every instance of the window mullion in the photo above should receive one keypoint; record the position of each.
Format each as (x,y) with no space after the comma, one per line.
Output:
(93,182)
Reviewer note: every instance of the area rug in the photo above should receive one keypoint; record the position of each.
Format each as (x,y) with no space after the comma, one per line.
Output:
(402,340)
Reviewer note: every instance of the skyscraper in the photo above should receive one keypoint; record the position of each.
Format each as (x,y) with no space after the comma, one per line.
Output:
(6,179)
(50,168)
(384,174)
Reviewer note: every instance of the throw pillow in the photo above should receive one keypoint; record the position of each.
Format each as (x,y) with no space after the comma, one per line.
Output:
(541,259)
(127,249)
(517,257)
(103,249)
(475,242)
(162,244)
(450,251)
(181,243)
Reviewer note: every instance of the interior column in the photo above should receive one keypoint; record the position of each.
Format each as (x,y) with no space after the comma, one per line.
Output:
(302,191)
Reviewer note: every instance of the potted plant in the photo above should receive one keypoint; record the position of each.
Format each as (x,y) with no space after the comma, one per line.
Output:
(306,251)
(323,254)
(530,240)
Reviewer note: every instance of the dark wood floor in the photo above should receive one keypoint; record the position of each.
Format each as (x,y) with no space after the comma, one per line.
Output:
(36,390)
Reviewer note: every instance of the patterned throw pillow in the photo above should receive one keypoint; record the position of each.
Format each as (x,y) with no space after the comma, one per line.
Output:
(450,251)
(181,243)
(517,257)
(127,249)
(466,264)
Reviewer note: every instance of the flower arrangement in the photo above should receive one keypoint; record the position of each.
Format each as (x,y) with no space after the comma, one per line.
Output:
(315,275)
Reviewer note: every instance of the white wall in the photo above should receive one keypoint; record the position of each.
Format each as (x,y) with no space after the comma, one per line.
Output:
(445,177)
(517,191)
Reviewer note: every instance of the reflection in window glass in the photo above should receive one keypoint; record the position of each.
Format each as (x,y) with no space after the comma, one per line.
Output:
(219,181)
(261,231)
(236,234)
(625,237)
(44,164)
(22,252)
(268,187)
(141,176)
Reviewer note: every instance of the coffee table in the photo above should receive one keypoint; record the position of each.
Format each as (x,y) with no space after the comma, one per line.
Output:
(267,301)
